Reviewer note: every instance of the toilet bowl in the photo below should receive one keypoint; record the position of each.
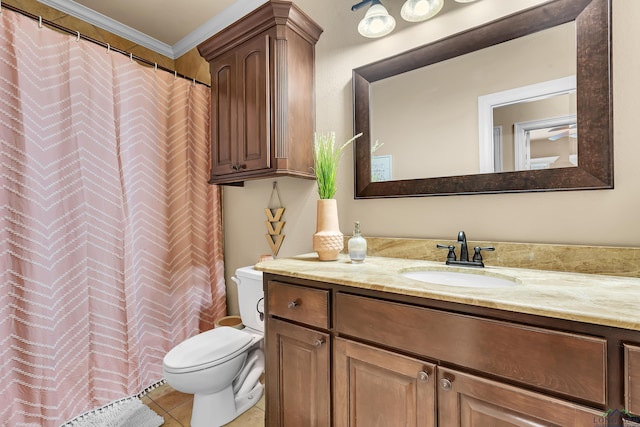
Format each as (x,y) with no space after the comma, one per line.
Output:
(222,367)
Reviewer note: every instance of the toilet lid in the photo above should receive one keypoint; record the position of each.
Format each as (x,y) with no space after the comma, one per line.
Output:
(207,349)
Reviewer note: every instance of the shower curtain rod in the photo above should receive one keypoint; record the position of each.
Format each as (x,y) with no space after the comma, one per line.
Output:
(98,42)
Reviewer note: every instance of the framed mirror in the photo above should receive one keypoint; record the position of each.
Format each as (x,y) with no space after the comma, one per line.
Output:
(379,171)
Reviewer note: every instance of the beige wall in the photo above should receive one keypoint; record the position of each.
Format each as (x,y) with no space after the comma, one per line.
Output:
(603,217)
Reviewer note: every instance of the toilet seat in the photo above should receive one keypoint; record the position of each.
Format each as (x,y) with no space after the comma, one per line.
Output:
(207,349)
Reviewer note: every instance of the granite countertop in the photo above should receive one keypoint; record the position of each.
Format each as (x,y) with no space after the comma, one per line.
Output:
(591,298)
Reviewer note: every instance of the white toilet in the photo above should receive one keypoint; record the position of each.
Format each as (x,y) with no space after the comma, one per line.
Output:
(222,367)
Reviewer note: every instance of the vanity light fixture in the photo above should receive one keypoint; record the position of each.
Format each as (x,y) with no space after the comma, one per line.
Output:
(420,10)
(376,22)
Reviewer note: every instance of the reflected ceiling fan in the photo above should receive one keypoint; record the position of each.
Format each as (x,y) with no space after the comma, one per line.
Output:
(568,130)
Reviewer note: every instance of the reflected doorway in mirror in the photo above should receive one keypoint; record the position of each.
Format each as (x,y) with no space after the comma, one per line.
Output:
(546,144)
(544,105)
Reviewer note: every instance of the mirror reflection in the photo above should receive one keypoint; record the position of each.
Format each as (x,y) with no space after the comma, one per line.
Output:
(538,144)
(519,126)
(427,122)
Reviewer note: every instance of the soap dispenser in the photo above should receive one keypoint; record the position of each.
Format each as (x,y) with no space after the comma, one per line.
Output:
(357,245)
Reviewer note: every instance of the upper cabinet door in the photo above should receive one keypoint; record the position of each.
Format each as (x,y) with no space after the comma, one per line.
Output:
(224,114)
(254,133)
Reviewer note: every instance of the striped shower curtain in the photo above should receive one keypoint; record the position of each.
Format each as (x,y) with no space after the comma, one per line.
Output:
(110,236)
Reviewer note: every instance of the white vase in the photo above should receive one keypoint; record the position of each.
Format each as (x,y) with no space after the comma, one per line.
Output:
(328,241)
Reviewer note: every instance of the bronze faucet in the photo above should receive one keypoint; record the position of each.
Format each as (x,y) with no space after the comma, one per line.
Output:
(464,253)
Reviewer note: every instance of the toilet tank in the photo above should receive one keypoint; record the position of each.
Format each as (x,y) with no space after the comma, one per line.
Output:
(250,297)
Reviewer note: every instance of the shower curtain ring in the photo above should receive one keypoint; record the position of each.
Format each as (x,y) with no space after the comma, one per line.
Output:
(155,66)
(39,21)
(78,38)
(131,57)
(108,48)
(175,74)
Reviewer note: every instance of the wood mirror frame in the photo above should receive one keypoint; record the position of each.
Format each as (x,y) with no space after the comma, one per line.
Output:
(594,104)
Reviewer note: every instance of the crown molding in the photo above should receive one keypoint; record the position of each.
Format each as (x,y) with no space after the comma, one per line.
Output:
(99,20)
(214,25)
(228,16)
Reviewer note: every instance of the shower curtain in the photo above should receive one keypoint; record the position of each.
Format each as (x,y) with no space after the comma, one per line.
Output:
(110,236)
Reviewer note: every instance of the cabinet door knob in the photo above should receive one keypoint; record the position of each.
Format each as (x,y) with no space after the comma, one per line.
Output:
(293,304)
(423,376)
(445,383)
(318,342)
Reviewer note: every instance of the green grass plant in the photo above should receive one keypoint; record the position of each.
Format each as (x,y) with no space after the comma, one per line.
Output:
(326,158)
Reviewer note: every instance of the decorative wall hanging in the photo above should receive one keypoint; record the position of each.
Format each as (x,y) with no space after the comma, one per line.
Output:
(274,221)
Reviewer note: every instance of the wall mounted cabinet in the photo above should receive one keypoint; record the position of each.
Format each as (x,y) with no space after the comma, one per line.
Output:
(263,95)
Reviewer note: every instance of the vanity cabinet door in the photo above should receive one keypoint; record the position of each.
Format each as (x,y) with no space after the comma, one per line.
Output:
(378,388)
(632,378)
(466,400)
(298,376)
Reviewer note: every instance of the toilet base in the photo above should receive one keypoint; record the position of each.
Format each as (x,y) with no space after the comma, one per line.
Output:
(218,409)
(245,402)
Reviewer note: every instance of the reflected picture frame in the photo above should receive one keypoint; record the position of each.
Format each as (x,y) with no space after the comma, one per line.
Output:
(381,168)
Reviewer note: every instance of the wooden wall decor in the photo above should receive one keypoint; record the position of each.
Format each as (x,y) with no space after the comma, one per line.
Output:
(274,221)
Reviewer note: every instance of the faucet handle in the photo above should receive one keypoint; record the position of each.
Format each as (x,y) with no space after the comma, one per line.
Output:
(477,257)
(451,256)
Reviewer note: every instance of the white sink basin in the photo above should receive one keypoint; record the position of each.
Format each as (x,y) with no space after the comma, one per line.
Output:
(460,279)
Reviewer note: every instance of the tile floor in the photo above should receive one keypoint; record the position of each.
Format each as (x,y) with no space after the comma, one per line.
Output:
(175,408)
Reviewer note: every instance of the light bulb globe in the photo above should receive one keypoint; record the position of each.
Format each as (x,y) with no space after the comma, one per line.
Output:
(420,10)
(376,22)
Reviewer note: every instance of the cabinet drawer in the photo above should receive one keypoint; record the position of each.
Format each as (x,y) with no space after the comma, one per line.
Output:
(569,364)
(300,304)
(632,378)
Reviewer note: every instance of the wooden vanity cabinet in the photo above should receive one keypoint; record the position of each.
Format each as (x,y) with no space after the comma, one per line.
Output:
(401,360)
(298,362)
(262,95)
